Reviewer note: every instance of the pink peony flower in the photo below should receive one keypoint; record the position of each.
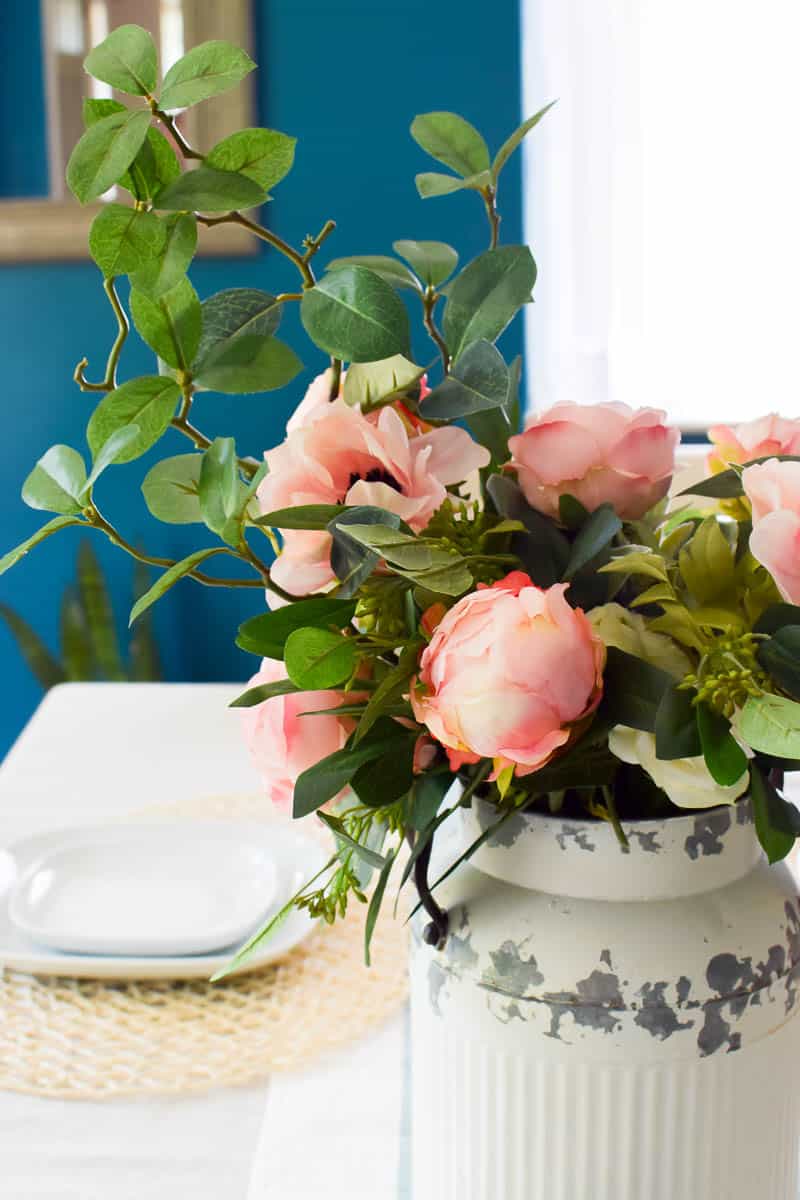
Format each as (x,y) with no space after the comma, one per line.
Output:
(509,671)
(773,489)
(753,439)
(338,455)
(598,453)
(282,743)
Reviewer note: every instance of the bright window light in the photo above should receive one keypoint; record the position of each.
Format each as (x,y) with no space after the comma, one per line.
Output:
(662,202)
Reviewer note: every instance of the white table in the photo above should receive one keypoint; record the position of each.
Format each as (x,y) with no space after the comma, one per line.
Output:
(93,752)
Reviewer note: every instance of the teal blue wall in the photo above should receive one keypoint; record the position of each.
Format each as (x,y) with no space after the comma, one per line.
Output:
(346,77)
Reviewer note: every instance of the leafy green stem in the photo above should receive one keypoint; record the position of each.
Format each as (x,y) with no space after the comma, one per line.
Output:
(172,125)
(123,329)
(301,261)
(95,518)
(613,816)
(490,201)
(430,299)
(336,377)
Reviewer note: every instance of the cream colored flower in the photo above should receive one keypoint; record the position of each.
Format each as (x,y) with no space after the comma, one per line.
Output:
(628,631)
(686,781)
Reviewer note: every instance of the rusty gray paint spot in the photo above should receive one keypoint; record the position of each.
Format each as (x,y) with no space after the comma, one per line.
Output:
(709,829)
(594,1004)
(744,812)
(738,983)
(792,932)
(512,972)
(605,957)
(656,1014)
(579,837)
(647,841)
(508,833)
(458,948)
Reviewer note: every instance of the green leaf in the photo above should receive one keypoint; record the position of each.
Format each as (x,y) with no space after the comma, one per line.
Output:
(76,650)
(725,758)
(436,569)
(326,778)
(266,634)
(479,382)
(172,261)
(434,183)
(171,324)
(263,155)
(13,556)
(571,512)
(95,109)
(100,623)
(235,313)
(44,666)
(384,781)
(777,820)
(487,294)
(154,167)
(148,402)
(105,152)
(355,315)
(771,724)
(389,269)
(110,452)
(372,384)
(171,490)
(707,564)
(677,735)
(726,485)
(376,900)
(219,490)
(451,140)
(392,687)
(337,827)
(632,691)
(780,656)
(352,563)
(205,189)
(510,144)
(57,481)
(170,577)
(303,516)
(776,616)
(127,60)
(249,364)
(542,548)
(595,536)
(122,239)
(433,261)
(318,658)
(207,70)
(426,798)
(264,691)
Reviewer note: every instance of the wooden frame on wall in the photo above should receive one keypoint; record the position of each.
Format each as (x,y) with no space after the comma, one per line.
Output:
(57,228)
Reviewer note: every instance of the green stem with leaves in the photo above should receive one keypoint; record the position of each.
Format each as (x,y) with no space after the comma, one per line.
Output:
(490,201)
(123,329)
(430,299)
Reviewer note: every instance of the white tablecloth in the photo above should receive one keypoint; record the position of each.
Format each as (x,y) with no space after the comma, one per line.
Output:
(93,752)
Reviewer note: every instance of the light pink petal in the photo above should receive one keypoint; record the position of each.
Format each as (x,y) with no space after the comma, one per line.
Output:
(454,455)
(775,543)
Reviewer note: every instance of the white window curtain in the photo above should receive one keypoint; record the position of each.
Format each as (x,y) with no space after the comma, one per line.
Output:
(662,200)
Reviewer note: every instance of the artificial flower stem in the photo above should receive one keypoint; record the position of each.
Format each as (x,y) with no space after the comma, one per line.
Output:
(613,816)
(490,200)
(171,124)
(434,934)
(430,299)
(123,329)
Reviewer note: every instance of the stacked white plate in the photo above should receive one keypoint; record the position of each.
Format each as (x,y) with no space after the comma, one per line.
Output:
(135,901)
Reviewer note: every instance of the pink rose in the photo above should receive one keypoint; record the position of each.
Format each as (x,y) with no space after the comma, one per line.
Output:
(508,672)
(282,743)
(753,439)
(598,453)
(773,489)
(341,456)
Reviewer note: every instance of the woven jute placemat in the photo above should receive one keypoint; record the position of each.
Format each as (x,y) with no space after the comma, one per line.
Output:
(94,1039)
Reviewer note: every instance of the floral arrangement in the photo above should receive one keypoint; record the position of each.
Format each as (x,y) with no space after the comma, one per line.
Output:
(448,597)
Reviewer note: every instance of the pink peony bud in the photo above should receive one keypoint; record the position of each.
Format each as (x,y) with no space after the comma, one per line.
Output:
(773,489)
(753,439)
(598,453)
(509,672)
(282,743)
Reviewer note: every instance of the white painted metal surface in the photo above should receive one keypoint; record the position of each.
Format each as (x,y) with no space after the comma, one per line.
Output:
(633,1041)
